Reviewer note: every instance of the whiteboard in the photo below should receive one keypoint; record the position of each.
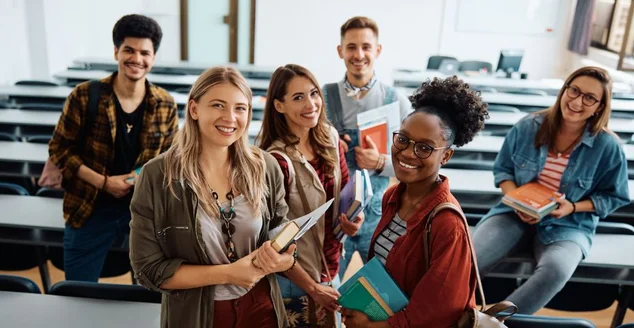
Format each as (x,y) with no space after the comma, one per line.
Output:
(525,17)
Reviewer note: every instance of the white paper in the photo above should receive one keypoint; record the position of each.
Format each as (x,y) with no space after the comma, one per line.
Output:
(309,220)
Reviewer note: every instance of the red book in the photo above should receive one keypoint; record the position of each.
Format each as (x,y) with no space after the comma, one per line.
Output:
(377,131)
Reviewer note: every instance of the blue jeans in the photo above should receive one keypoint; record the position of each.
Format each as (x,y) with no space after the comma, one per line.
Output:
(501,235)
(290,290)
(85,248)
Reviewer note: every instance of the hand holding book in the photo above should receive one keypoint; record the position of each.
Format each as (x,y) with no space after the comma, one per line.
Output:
(270,260)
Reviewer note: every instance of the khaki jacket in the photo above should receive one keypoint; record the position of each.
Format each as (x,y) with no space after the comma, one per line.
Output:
(303,175)
(165,232)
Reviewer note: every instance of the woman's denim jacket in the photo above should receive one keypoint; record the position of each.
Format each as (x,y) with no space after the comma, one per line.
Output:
(597,170)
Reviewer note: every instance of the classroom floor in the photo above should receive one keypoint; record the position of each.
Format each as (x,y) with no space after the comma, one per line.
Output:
(601,319)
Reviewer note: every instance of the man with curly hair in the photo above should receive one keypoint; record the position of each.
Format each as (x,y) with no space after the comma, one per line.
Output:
(440,280)
(358,92)
(107,130)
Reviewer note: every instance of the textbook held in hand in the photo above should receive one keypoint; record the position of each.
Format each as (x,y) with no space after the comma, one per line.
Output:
(533,199)
(373,291)
(282,237)
(355,196)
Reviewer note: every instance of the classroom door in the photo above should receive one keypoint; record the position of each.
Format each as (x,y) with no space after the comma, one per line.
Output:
(211,26)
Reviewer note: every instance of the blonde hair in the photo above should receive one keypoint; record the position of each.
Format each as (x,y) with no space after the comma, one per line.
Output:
(246,162)
(275,126)
(553,117)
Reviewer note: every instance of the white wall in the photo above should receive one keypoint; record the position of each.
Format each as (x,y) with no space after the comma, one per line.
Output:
(41,37)
(307,33)
(78,28)
(14,40)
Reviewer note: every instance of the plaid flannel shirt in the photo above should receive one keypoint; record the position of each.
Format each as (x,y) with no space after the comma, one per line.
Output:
(160,124)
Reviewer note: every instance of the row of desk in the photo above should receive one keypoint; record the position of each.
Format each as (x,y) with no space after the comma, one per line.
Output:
(25,310)
(413,78)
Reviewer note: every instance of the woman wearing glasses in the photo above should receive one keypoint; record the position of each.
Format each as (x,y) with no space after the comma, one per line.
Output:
(566,148)
(296,131)
(447,113)
(201,212)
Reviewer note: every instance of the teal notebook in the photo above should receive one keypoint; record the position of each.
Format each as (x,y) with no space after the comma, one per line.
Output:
(353,297)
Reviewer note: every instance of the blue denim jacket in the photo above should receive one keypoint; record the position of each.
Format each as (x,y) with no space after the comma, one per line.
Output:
(597,170)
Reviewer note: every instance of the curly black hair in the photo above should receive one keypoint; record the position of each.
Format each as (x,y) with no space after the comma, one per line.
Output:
(459,108)
(137,26)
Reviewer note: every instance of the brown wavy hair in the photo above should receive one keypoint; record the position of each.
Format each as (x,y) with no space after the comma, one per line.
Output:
(275,127)
(553,117)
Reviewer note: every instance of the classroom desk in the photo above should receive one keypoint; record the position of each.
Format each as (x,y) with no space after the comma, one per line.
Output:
(618,125)
(618,105)
(481,181)
(62,92)
(31,212)
(25,310)
(158,79)
(493,144)
(188,67)
(409,78)
(22,117)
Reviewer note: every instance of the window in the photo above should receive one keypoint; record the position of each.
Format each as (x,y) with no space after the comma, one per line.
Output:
(610,22)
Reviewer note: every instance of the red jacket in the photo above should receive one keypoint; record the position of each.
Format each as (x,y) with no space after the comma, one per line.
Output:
(439,296)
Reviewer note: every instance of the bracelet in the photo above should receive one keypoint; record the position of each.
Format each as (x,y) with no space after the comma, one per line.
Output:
(293,265)
(574,207)
(105,180)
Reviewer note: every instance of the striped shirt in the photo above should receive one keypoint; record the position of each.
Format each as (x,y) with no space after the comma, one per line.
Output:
(385,241)
(550,176)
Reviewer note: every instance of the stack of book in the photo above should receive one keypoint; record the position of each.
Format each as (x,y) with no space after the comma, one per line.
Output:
(355,196)
(373,291)
(533,199)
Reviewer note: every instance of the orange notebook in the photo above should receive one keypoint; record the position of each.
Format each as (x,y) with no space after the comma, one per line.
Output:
(377,131)
(533,199)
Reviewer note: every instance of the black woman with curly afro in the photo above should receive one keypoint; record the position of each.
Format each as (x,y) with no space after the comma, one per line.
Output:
(447,113)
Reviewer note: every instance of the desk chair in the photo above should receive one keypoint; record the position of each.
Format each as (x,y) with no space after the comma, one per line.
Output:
(37,83)
(50,193)
(22,257)
(18,284)
(434,61)
(621,95)
(483,88)
(533,92)
(474,65)
(5,136)
(531,321)
(39,138)
(627,325)
(503,108)
(595,296)
(116,292)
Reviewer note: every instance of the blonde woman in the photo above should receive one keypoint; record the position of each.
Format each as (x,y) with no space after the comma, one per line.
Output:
(201,212)
(296,131)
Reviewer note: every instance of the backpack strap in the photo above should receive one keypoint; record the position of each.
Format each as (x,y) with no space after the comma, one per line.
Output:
(390,96)
(427,243)
(94,94)
(334,108)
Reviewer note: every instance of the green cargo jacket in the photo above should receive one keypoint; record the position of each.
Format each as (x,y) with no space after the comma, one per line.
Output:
(165,232)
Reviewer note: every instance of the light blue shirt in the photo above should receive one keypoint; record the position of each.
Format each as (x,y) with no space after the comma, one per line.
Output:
(597,170)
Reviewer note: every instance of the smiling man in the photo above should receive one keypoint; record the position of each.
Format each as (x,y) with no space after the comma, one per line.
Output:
(108,129)
(358,92)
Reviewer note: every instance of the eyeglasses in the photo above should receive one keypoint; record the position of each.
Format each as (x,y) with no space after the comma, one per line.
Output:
(574,93)
(421,149)
(227,215)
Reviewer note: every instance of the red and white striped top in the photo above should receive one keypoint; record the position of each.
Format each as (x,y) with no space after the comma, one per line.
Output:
(550,176)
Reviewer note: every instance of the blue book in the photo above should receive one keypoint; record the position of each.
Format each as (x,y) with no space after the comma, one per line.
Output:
(375,274)
(355,196)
